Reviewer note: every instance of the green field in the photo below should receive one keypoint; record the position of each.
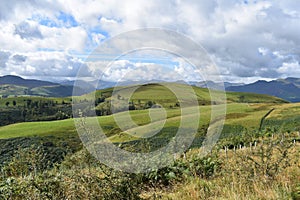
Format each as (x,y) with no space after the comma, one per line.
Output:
(244,111)
(244,114)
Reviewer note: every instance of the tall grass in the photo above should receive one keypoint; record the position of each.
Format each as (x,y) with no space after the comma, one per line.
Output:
(268,171)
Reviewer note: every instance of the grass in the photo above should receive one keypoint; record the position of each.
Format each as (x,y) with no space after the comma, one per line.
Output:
(9,89)
(165,94)
(234,180)
(247,115)
(217,176)
(55,128)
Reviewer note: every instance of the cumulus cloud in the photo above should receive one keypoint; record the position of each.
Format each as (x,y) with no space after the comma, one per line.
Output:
(124,70)
(54,65)
(290,69)
(248,40)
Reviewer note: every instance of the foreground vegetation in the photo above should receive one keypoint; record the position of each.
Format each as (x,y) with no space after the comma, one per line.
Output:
(245,164)
(269,170)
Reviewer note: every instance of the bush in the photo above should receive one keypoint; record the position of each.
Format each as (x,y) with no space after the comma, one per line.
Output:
(270,158)
(182,169)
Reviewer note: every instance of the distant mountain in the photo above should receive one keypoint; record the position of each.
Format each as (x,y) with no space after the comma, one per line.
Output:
(91,85)
(56,91)
(288,89)
(100,84)
(86,86)
(214,85)
(17,86)
(30,83)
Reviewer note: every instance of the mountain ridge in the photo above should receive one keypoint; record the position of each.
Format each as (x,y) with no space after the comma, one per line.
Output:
(11,85)
(288,88)
(16,80)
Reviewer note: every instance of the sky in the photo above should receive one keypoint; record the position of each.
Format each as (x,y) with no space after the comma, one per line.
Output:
(247,40)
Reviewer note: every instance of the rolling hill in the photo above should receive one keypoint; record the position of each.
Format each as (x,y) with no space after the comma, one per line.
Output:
(161,94)
(238,114)
(249,108)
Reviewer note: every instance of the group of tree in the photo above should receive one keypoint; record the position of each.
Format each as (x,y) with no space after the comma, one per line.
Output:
(34,110)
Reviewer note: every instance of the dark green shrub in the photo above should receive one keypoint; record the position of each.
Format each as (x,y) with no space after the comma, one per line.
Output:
(182,169)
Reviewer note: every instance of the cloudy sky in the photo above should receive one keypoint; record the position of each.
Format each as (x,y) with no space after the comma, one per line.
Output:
(248,40)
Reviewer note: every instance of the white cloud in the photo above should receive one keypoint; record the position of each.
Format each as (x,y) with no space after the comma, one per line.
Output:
(73,38)
(290,69)
(29,69)
(258,39)
(124,70)
(57,65)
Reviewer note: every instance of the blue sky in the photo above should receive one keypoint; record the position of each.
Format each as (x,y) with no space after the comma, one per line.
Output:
(248,40)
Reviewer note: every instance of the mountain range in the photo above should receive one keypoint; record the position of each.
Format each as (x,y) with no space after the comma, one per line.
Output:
(16,86)
(288,89)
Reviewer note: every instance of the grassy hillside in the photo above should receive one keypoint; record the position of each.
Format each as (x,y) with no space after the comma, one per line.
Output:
(55,128)
(7,90)
(243,114)
(165,96)
(148,95)
(10,90)
(243,109)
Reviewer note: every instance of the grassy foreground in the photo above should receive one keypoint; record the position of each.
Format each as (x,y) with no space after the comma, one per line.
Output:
(269,170)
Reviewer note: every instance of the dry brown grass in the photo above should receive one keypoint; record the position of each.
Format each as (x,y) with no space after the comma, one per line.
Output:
(237,181)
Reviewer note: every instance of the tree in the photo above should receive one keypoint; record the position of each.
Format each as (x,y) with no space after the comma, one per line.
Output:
(7,103)
(28,101)
(14,103)
(149,104)
(242,98)
(131,106)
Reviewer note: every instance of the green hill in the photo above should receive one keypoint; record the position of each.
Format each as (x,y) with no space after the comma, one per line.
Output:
(242,109)
(10,90)
(160,94)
